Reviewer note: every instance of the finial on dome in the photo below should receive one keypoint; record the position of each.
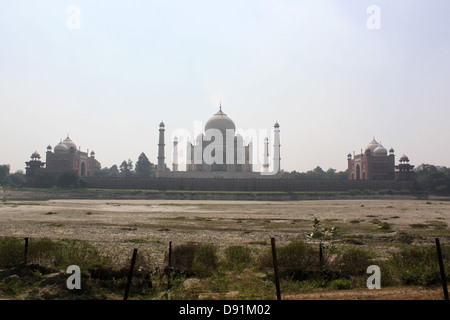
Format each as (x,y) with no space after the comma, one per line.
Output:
(220,106)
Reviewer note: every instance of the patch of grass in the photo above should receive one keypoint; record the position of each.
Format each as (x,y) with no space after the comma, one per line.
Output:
(55,224)
(238,257)
(262,243)
(137,240)
(47,252)
(354,261)
(353,241)
(385,226)
(415,265)
(437,224)
(418,226)
(341,284)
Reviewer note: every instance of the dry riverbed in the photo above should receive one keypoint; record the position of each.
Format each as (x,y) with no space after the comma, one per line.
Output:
(117,226)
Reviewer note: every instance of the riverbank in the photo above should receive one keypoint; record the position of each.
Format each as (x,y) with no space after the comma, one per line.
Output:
(31,194)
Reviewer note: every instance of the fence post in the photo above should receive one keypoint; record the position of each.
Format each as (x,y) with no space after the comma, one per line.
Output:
(170,265)
(321,255)
(25,254)
(441,267)
(275,268)
(130,274)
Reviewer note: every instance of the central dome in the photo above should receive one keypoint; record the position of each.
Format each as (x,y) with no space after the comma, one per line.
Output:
(220,121)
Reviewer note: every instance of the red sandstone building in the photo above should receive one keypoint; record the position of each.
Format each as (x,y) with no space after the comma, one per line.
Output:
(64,157)
(376,163)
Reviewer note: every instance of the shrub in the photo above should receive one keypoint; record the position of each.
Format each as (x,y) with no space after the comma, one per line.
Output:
(183,257)
(205,260)
(46,252)
(196,259)
(11,251)
(341,284)
(237,257)
(419,266)
(296,260)
(354,261)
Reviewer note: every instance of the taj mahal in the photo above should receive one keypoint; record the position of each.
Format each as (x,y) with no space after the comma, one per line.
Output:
(219,158)
(219,152)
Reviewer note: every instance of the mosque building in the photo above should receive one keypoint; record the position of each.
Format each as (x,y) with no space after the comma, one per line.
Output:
(377,163)
(64,156)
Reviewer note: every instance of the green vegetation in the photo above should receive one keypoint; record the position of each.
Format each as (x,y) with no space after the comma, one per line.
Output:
(202,271)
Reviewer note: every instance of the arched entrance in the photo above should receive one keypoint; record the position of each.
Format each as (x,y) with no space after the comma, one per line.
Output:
(83,169)
(358,172)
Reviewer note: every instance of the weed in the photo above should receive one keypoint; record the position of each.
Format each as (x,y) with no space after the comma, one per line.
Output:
(341,284)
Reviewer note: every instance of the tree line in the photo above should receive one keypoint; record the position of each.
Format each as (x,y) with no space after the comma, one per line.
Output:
(429,178)
(143,168)
(316,173)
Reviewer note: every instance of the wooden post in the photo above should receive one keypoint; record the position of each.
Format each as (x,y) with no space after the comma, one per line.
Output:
(320,255)
(275,269)
(25,254)
(170,265)
(441,267)
(130,274)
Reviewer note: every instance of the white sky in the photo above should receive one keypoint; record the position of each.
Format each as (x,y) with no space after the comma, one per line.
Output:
(314,66)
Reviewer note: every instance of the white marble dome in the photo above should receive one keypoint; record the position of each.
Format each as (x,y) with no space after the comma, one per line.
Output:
(220,121)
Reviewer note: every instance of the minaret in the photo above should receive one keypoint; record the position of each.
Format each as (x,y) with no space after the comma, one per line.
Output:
(175,154)
(266,155)
(276,149)
(161,145)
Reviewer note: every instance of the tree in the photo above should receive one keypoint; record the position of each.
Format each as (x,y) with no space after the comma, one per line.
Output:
(97,168)
(144,168)
(68,179)
(45,178)
(126,168)
(433,179)
(17,179)
(4,173)
(114,171)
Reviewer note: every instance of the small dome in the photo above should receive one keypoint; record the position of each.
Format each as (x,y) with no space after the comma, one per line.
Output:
(92,153)
(162,124)
(60,147)
(380,151)
(220,121)
(373,145)
(276,125)
(404,158)
(69,144)
(35,155)
(49,147)
(391,150)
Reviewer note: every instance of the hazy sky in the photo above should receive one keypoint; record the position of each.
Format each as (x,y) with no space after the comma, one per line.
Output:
(107,72)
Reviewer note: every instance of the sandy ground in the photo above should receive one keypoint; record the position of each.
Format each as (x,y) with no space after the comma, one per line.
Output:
(118,226)
(124,224)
